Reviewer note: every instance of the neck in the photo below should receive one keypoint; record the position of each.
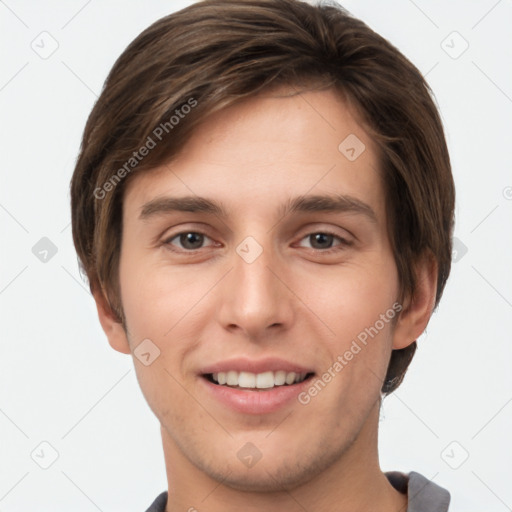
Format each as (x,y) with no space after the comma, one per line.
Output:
(353,482)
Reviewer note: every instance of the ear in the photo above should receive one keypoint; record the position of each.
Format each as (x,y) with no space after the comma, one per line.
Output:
(417,308)
(111,326)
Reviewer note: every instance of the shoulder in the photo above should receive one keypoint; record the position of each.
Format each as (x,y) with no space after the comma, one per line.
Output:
(159,504)
(423,494)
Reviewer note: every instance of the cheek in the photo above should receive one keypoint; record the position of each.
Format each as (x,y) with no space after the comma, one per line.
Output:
(162,304)
(156,297)
(156,308)
(352,298)
(357,304)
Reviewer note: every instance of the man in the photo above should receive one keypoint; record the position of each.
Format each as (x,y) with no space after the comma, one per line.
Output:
(263,205)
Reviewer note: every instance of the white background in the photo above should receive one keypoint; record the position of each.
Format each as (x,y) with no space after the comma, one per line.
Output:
(60,381)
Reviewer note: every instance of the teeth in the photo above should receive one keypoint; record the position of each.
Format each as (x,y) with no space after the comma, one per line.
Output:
(279,378)
(290,378)
(247,380)
(232,378)
(258,380)
(264,380)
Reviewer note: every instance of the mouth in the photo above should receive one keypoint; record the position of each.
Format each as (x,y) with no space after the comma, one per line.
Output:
(257,381)
(255,386)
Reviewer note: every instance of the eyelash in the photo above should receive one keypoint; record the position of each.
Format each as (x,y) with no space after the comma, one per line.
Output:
(343,242)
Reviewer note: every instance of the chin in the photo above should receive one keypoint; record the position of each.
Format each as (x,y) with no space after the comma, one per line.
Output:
(264,480)
(276,472)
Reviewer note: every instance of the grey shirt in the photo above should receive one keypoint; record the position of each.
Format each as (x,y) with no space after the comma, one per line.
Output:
(424,495)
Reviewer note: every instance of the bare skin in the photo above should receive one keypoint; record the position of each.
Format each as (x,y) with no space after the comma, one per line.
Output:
(304,299)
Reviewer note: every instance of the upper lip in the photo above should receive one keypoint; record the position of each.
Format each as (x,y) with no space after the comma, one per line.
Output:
(243,364)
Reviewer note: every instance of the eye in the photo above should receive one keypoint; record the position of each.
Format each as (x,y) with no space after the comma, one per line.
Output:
(323,241)
(189,240)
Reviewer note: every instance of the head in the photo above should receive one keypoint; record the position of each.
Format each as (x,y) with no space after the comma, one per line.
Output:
(251,104)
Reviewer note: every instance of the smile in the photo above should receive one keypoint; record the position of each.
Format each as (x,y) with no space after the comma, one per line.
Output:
(264,380)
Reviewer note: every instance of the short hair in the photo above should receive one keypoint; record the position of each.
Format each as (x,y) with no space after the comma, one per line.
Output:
(216,53)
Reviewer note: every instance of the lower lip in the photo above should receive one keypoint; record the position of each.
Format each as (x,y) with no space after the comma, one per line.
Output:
(255,402)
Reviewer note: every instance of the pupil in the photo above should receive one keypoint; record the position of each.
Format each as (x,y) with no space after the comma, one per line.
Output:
(322,238)
(191,240)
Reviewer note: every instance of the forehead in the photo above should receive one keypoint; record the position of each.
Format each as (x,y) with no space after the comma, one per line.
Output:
(266,149)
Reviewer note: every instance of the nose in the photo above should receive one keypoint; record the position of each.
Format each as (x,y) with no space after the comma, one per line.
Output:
(255,298)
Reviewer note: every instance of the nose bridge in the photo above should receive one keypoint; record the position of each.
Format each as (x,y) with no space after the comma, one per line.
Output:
(255,298)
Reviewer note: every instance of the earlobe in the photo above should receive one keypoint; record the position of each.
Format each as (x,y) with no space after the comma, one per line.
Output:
(417,308)
(111,326)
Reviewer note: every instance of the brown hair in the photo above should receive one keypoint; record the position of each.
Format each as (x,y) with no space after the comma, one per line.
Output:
(217,52)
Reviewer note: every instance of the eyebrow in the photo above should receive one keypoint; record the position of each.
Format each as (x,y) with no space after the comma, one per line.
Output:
(336,203)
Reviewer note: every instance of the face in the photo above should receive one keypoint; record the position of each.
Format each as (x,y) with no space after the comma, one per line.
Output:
(277,267)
